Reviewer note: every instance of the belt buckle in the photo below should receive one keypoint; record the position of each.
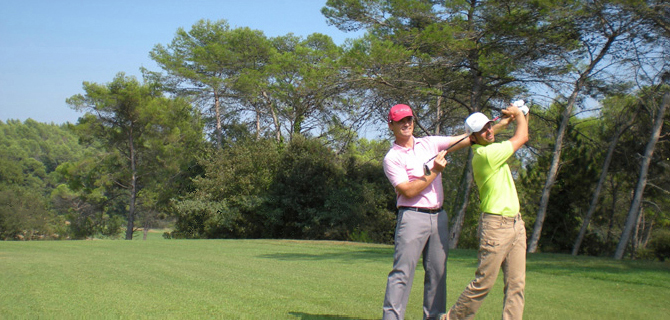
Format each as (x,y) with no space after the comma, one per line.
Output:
(428,210)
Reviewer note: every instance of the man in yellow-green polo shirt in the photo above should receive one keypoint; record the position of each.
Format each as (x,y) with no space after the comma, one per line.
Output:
(502,233)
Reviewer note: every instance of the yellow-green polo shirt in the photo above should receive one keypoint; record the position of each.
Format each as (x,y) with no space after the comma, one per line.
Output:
(494,178)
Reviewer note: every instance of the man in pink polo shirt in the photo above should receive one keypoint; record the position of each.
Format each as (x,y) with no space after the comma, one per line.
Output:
(422,226)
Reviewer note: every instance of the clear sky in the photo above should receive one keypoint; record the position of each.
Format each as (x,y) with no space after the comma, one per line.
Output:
(49,47)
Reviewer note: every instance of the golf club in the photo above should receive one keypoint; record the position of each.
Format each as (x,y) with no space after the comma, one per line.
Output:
(426,170)
(519,103)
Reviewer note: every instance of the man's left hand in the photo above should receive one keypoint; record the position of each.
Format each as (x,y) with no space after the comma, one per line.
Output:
(440,162)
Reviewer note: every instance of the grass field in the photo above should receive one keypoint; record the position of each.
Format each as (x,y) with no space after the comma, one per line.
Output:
(283,279)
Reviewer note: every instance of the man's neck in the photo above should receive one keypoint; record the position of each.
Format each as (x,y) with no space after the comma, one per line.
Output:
(405,142)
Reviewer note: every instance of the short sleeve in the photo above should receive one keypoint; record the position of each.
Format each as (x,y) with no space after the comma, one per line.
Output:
(394,169)
(498,153)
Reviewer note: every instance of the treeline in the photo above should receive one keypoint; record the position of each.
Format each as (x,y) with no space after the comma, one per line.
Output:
(244,136)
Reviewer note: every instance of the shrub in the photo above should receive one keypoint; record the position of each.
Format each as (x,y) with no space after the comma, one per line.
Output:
(660,244)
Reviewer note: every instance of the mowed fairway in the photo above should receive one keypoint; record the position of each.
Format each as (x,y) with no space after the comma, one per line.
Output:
(284,279)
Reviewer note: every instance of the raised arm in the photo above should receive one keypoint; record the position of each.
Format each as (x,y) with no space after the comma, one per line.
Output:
(520,136)
(462,142)
(503,124)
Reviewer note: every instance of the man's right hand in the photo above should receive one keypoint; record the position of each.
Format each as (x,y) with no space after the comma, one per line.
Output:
(512,111)
(413,188)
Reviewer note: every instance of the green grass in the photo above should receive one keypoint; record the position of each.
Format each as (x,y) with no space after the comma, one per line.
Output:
(283,279)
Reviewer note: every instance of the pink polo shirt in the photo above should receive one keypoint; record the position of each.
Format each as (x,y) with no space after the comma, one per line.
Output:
(406,164)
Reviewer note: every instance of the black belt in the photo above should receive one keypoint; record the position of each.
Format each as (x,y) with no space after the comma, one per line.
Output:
(424,210)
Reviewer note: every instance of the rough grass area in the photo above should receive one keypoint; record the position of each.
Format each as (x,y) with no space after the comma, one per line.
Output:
(284,279)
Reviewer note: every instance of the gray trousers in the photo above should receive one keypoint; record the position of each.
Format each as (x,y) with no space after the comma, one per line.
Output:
(418,234)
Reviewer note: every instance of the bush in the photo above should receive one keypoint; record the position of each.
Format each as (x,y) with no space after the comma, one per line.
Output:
(258,189)
(324,196)
(230,196)
(660,244)
(24,216)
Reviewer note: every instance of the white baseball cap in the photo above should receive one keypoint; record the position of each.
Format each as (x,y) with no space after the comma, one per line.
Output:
(476,122)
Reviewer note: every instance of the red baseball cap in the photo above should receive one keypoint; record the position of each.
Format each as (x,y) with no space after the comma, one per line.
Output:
(399,111)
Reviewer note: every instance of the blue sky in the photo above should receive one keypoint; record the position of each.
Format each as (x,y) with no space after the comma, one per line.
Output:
(48,47)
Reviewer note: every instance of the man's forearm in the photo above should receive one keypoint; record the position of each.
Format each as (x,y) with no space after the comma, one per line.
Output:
(411,189)
(520,136)
(500,126)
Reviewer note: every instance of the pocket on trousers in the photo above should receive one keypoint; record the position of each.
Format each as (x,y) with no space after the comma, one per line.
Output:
(492,235)
(488,243)
(487,247)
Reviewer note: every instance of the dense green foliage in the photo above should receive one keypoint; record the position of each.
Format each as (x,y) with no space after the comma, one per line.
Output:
(304,191)
(146,137)
(30,153)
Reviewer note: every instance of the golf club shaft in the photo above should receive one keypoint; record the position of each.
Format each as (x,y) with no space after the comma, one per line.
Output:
(425,164)
(447,149)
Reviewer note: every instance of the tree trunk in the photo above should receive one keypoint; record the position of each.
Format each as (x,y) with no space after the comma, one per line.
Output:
(553,172)
(133,188)
(647,234)
(258,124)
(642,180)
(635,244)
(601,182)
(297,124)
(615,192)
(275,118)
(217,114)
(466,188)
(565,120)
(438,115)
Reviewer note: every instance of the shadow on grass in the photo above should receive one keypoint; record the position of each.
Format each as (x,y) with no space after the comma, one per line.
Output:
(645,273)
(598,268)
(367,254)
(370,254)
(307,316)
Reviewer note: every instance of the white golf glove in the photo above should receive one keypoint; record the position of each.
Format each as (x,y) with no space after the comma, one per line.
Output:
(522,106)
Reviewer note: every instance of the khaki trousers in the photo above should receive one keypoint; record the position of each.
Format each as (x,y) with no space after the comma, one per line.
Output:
(502,244)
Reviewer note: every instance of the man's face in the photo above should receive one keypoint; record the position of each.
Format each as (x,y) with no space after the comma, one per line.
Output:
(402,128)
(485,136)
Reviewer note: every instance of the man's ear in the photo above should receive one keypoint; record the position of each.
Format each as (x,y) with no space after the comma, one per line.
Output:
(473,140)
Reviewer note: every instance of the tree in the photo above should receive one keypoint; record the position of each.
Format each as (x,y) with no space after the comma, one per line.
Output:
(622,121)
(305,82)
(230,196)
(603,29)
(446,59)
(206,62)
(24,215)
(635,206)
(87,196)
(141,130)
(30,152)
(652,71)
(251,82)
(654,12)
(302,190)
